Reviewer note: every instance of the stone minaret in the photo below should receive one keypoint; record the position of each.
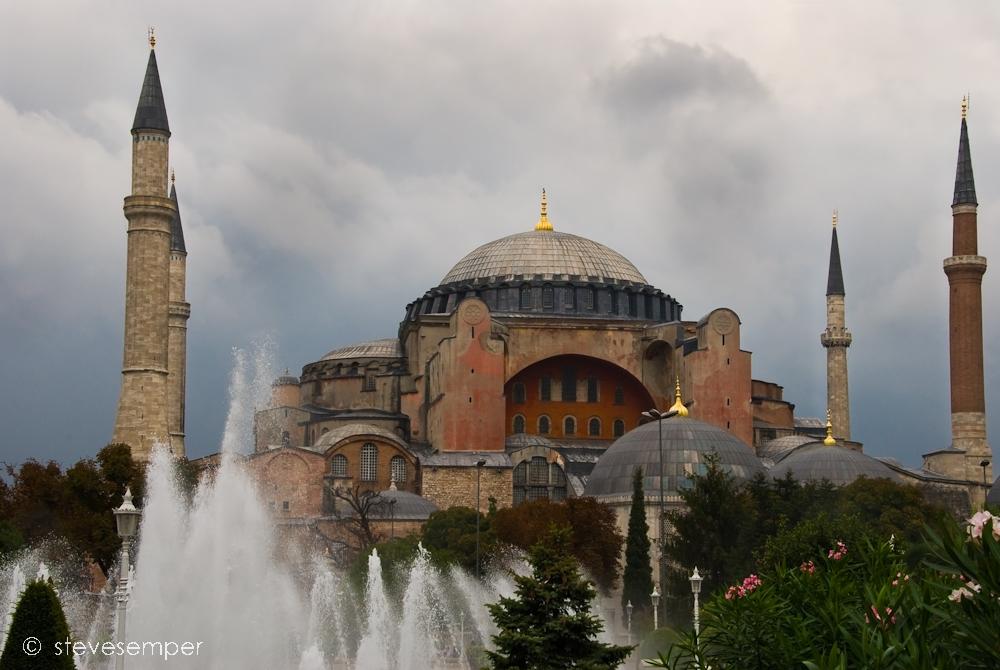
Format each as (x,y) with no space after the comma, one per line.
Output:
(179,312)
(965,269)
(142,406)
(836,338)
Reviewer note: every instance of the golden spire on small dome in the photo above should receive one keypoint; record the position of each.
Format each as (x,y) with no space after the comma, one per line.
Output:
(965,106)
(829,439)
(543,219)
(151,33)
(678,405)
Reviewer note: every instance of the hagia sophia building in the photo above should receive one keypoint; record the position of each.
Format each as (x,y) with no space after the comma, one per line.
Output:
(529,372)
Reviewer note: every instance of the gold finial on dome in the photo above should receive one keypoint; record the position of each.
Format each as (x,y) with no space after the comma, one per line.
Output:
(543,219)
(151,33)
(678,405)
(835,216)
(829,439)
(965,106)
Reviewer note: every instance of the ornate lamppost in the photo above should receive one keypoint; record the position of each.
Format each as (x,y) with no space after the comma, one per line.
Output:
(127,519)
(696,580)
(628,615)
(655,596)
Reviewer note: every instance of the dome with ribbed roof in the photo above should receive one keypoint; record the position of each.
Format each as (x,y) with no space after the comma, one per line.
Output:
(387,348)
(547,253)
(687,443)
(838,465)
(780,447)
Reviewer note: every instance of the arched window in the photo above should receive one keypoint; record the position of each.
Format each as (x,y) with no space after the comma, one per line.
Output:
(591,389)
(544,425)
(519,395)
(569,426)
(619,427)
(369,462)
(548,300)
(525,297)
(537,479)
(594,427)
(518,424)
(397,466)
(619,395)
(338,466)
(545,388)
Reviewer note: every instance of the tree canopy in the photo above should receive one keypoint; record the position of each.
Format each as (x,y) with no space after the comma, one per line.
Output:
(548,624)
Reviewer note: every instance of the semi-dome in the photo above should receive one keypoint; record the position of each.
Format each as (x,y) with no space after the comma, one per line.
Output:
(402,506)
(548,253)
(838,465)
(387,348)
(780,447)
(686,445)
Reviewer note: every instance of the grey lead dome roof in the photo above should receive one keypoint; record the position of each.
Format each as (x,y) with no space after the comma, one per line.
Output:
(838,465)
(686,443)
(549,253)
(387,348)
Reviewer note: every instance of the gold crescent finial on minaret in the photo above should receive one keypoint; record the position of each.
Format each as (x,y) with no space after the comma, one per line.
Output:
(543,219)
(965,105)
(835,215)
(678,405)
(829,439)
(151,34)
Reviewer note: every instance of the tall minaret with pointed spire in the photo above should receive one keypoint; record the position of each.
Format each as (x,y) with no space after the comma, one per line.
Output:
(965,269)
(142,418)
(179,312)
(836,339)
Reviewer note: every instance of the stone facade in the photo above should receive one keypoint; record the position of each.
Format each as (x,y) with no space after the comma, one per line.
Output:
(836,339)
(456,486)
(179,313)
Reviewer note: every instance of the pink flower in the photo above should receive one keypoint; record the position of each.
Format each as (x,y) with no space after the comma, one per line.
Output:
(958,594)
(978,520)
(838,552)
(808,567)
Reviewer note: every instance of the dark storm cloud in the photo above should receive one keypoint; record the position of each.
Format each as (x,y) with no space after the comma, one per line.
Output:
(334,161)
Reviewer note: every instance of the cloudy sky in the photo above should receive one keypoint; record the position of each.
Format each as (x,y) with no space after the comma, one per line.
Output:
(335,159)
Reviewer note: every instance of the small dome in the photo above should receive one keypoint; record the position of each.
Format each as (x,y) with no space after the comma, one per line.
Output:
(686,443)
(403,506)
(838,465)
(387,348)
(779,447)
(552,254)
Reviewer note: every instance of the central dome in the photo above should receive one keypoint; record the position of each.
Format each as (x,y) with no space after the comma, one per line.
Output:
(551,254)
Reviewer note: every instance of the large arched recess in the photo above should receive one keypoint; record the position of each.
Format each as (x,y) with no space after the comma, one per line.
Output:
(620,397)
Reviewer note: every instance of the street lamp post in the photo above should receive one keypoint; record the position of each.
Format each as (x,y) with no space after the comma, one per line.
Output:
(696,580)
(985,463)
(655,596)
(658,416)
(127,519)
(479,470)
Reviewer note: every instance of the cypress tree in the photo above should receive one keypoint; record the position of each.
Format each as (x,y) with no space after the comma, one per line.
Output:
(38,615)
(637,579)
(547,625)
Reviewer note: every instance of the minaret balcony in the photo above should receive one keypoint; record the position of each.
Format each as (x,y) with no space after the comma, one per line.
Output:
(835,337)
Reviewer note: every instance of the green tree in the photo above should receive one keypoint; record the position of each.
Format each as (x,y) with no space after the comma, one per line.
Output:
(596,541)
(637,579)
(450,537)
(40,616)
(548,624)
(714,532)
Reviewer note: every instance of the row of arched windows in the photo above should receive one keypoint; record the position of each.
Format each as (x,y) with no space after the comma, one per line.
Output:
(520,393)
(544,426)
(369,465)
